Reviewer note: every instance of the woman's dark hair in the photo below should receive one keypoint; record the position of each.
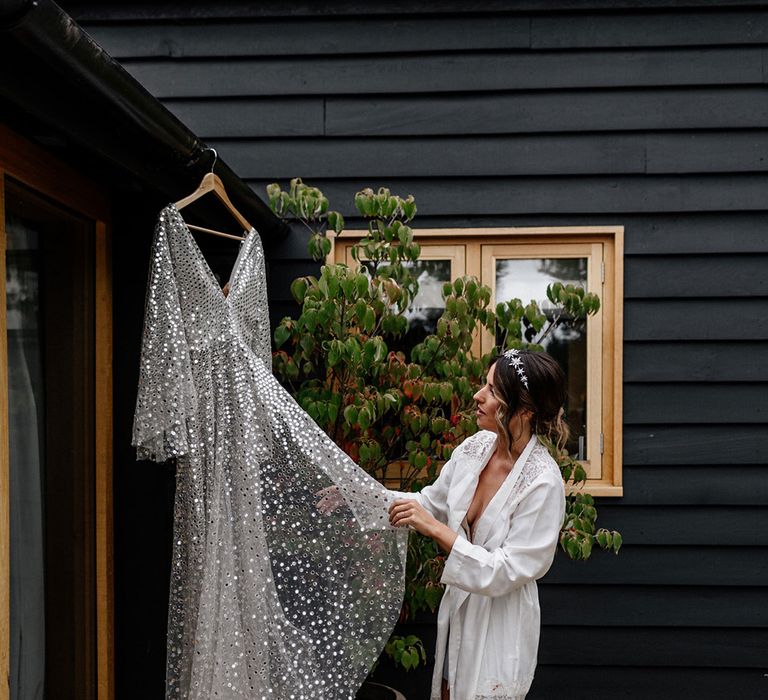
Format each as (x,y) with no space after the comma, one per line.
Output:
(544,397)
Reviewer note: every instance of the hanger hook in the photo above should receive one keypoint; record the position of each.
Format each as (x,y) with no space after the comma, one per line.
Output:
(215,156)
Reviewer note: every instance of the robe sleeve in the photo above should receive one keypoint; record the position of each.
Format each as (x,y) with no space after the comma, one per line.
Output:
(527,551)
(166,396)
(433,498)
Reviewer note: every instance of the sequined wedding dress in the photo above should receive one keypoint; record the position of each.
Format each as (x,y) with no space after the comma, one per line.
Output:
(269,597)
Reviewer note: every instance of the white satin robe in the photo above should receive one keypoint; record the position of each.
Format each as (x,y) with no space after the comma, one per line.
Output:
(491,600)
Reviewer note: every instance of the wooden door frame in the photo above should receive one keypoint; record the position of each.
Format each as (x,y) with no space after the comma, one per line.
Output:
(35,167)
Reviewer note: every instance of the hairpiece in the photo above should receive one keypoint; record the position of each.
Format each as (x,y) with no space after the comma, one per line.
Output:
(513,355)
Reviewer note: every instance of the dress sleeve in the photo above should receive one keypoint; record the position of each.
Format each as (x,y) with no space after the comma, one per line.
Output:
(433,497)
(166,395)
(527,551)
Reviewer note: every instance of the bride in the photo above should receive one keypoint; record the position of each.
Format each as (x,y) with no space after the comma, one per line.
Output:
(497,508)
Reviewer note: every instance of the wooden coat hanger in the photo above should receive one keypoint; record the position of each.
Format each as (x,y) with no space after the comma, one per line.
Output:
(212,183)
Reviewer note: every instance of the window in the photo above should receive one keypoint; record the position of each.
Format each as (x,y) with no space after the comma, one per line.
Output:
(521,262)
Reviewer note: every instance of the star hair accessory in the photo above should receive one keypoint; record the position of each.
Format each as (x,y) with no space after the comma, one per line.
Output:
(513,355)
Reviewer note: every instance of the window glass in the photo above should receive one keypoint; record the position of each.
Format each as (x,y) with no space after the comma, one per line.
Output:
(428,305)
(527,279)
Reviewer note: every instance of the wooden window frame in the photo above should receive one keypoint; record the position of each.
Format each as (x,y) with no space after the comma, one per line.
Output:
(33,166)
(480,247)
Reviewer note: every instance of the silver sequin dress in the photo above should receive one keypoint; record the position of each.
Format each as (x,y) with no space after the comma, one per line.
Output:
(269,597)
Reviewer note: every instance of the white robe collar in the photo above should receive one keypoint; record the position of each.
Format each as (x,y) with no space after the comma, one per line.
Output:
(466,486)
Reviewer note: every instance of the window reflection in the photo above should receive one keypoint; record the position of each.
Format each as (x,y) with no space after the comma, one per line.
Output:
(527,279)
(428,305)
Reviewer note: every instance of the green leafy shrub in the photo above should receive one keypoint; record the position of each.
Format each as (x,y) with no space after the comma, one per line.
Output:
(400,414)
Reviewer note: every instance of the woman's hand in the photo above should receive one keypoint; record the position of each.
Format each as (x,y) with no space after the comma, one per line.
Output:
(411,514)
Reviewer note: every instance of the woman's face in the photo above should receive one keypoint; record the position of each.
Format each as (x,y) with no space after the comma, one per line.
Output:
(487,403)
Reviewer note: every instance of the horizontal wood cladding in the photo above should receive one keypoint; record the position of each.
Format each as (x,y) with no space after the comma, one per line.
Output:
(287,117)
(700,361)
(649,646)
(652,233)
(604,682)
(473,73)
(686,108)
(661,565)
(686,403)
(555,195)
(706,526)
(733,444)
(328,36)
(693,484)
(696,276)
(383,35)
(654,606)
(89,12)
(696,319)
(529,155)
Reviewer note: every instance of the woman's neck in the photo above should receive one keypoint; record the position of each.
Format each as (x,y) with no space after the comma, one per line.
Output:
(515,449)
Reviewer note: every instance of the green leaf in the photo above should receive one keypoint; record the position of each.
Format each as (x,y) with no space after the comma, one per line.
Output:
(364,417)
(281,335)
(369,322)
(336,221)
(573,549)
(334,353)
(617,541)
(433,594)
(361,281)
(350,415)
(381,349)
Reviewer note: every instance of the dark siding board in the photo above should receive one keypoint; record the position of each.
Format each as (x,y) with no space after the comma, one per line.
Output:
(741,361)
(571,154)
(687,525)
(645,234)
(258,117)
(706,152)
(321,36)
(282,273)
(674,403)
(603,682)
(695,444)
(716,484)
(694,319)
(437,157)
(584,31)
(450,73)
(632,646)
(619,195)
(661,565)
(291,249)
(588,110)
(696,276)
(85,11)
(279,310)
(653,606)
(593,110)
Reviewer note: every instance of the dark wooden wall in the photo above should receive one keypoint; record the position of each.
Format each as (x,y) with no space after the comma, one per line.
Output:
(651,115)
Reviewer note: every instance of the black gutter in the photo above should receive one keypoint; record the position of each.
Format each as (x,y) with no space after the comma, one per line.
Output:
(53,70)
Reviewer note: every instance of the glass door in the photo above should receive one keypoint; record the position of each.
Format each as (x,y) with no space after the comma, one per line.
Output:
(49,309)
